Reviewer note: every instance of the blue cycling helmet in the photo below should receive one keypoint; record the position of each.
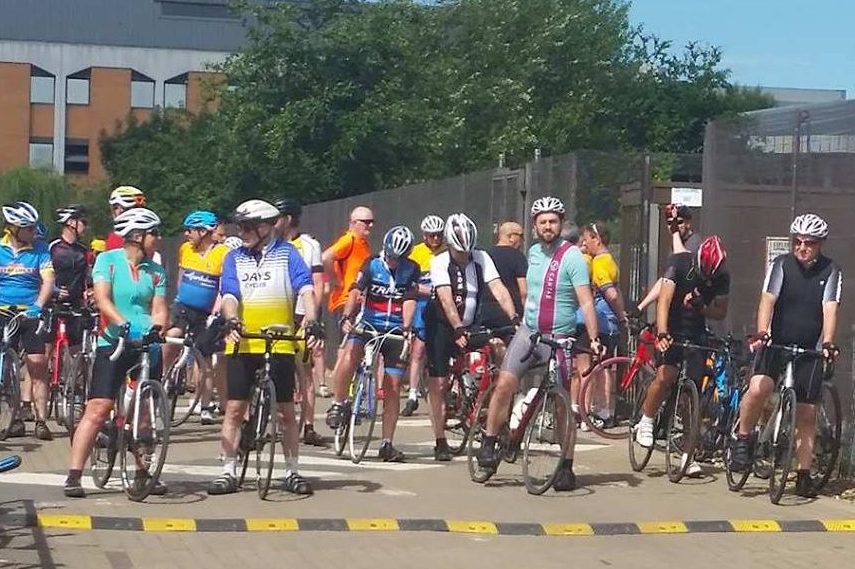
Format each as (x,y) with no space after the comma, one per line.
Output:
(398,241)
(200,220)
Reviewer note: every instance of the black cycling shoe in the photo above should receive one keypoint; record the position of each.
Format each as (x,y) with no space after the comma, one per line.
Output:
(441,452)
(388,453)
(488,460)
(296,484)
(565,481)
(410,407)
(42,432)
(312,438)
(224,484)
(337,415)
(804,485)
(73,488)
(741,458)
(16,429)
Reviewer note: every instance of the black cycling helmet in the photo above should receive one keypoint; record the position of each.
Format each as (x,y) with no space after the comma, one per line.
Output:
(288,206)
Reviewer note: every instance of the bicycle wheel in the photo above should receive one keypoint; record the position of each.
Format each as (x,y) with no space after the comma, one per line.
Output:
(144,440)
(102,458)
(639,456)
(826,448)
(709,414)
(366,407)
(340,437)
(546,440)
(735,480)
(73,395)
(593,383)
(267,435)
(476,434)
(176,381)
(784,442)
(458,412)
(10,391)
(682,430)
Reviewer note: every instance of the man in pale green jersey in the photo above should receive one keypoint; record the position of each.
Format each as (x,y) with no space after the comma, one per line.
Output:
(557,285)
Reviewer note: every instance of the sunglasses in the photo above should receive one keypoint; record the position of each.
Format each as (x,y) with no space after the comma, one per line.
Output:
(368,222)
(809,243)
(433,235)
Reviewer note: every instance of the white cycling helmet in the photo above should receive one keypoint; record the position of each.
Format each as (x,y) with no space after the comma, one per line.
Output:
(398,241)
(136,219)
(460,232)
(20,214)
(256,210)
(433,224)
(811,225)
(547,204)
(233,242)
(127,197)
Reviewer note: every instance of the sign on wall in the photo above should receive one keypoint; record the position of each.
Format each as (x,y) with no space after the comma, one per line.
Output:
(776,246)
(692,197)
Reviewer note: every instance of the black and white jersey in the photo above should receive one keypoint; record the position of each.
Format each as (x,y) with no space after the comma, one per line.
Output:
(467,283)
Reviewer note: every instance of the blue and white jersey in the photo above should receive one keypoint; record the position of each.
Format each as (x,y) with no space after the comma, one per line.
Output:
(385,291)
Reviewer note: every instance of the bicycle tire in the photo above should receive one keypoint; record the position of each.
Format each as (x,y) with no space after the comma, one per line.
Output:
(476,434)
(10,392)
(709,442)
(176,385)
(366,407)
(153,401)
(681,440)
(594,378)
(456,421)
(102,459)
(340,437)
(73,390)
(735,480)
(829,426)
(784,445)
(640,456)
(545,425)
(55,403)
(267,435)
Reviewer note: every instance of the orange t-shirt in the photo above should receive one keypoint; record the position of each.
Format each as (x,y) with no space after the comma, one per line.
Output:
(349,254)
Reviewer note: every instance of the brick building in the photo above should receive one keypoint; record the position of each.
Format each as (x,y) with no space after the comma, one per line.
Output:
(72,69)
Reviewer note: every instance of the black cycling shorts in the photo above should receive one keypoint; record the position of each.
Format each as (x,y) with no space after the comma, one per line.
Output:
(391,349)
(240,375)
(26,337)
(107,376)
(190,319)
(696,360)
(807,371)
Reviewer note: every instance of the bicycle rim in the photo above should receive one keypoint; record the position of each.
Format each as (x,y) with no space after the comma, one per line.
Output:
(682,429)
(190,372)
(72,395)
(639,456)
(10,394)
(363,417)
(595,383)
(340,437)
(476,434)
(457,417)
(267,435)
(826,446)
(546,440)
(143,454)
(783,446)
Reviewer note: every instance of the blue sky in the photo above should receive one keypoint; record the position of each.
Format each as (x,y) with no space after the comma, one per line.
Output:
(783,43)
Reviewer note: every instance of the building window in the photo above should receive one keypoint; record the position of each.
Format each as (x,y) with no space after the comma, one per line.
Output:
(41,86)
(76,156)
(41,153)
(77,88)
(142,91)
(175,92)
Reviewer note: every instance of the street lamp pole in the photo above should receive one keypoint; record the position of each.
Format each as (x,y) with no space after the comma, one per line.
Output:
(801,118)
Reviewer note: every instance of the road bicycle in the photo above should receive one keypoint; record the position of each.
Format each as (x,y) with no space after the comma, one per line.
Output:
(10,370)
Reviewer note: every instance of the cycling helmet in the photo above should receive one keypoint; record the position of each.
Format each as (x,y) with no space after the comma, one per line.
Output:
(70,213)
(547,204)
(811,225)
(288,206)
(136,219)
(255,210)
(398,241)
(20,214)
(233,242)
(711,255)
(200,219)
(460,232)
(433,224)
(98,245)
(127,197)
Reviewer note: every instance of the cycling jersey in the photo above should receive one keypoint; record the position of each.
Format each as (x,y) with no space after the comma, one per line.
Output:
(132,290)
(604,275)
(21,272)
(310,250)
(349,254)
(683,272)
(799,295)
(421,255)
(385,291)
(200,275)
(71,263)
(467,283)
(571,271)
(266,284)
(114,241)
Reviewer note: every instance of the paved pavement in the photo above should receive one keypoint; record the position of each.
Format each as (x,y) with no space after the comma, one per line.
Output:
(460,517)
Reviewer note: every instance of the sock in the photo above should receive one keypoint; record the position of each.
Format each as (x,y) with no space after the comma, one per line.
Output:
(646,419)
(742,437)
(308,427)
(489,441)
(567,464)
(74,475)
(230,466)
(386,442)
(605,414)
(290,466)
(414,393)
(441,442)
(574,407)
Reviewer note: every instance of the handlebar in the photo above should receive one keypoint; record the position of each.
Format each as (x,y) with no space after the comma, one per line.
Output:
(151,337)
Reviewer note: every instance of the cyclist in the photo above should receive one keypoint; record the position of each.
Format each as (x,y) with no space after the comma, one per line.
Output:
(798,305)
(130,291)
(97,246)
(432,227)
(387,285)
(460,277)
(312,372)
(259,286)
(71,259)
(200,266)
(121,200)
(556,286)
(695,287)
(26,281)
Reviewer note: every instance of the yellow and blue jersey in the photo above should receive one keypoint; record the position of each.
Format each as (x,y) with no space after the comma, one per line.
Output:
(21,272)
(200,276)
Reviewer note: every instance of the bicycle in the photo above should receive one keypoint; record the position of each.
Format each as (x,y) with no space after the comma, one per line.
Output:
(774,441)
(720,395)
(189,364)
(676,422)
(546,428)
(260,431)
(640,365)
(10,388)
(139,427)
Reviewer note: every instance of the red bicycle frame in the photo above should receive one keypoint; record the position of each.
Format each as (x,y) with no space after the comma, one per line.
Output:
(60,340)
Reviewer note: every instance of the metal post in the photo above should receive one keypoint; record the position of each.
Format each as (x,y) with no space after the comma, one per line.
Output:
(801,118)
(644,236)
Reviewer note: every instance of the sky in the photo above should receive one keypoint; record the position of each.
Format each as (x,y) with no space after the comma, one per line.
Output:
(773,43)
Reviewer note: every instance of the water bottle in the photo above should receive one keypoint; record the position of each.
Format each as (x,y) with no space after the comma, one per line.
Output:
(520,405)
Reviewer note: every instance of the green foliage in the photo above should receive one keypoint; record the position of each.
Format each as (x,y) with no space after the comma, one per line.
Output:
(338,97)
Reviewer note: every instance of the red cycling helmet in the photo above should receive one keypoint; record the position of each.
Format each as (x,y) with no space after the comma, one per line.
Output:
(711,256)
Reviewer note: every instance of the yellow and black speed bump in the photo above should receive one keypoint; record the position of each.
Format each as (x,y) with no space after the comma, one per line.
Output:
(83,523)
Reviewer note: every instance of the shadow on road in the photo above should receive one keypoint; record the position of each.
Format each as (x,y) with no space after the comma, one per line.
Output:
(22,542)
